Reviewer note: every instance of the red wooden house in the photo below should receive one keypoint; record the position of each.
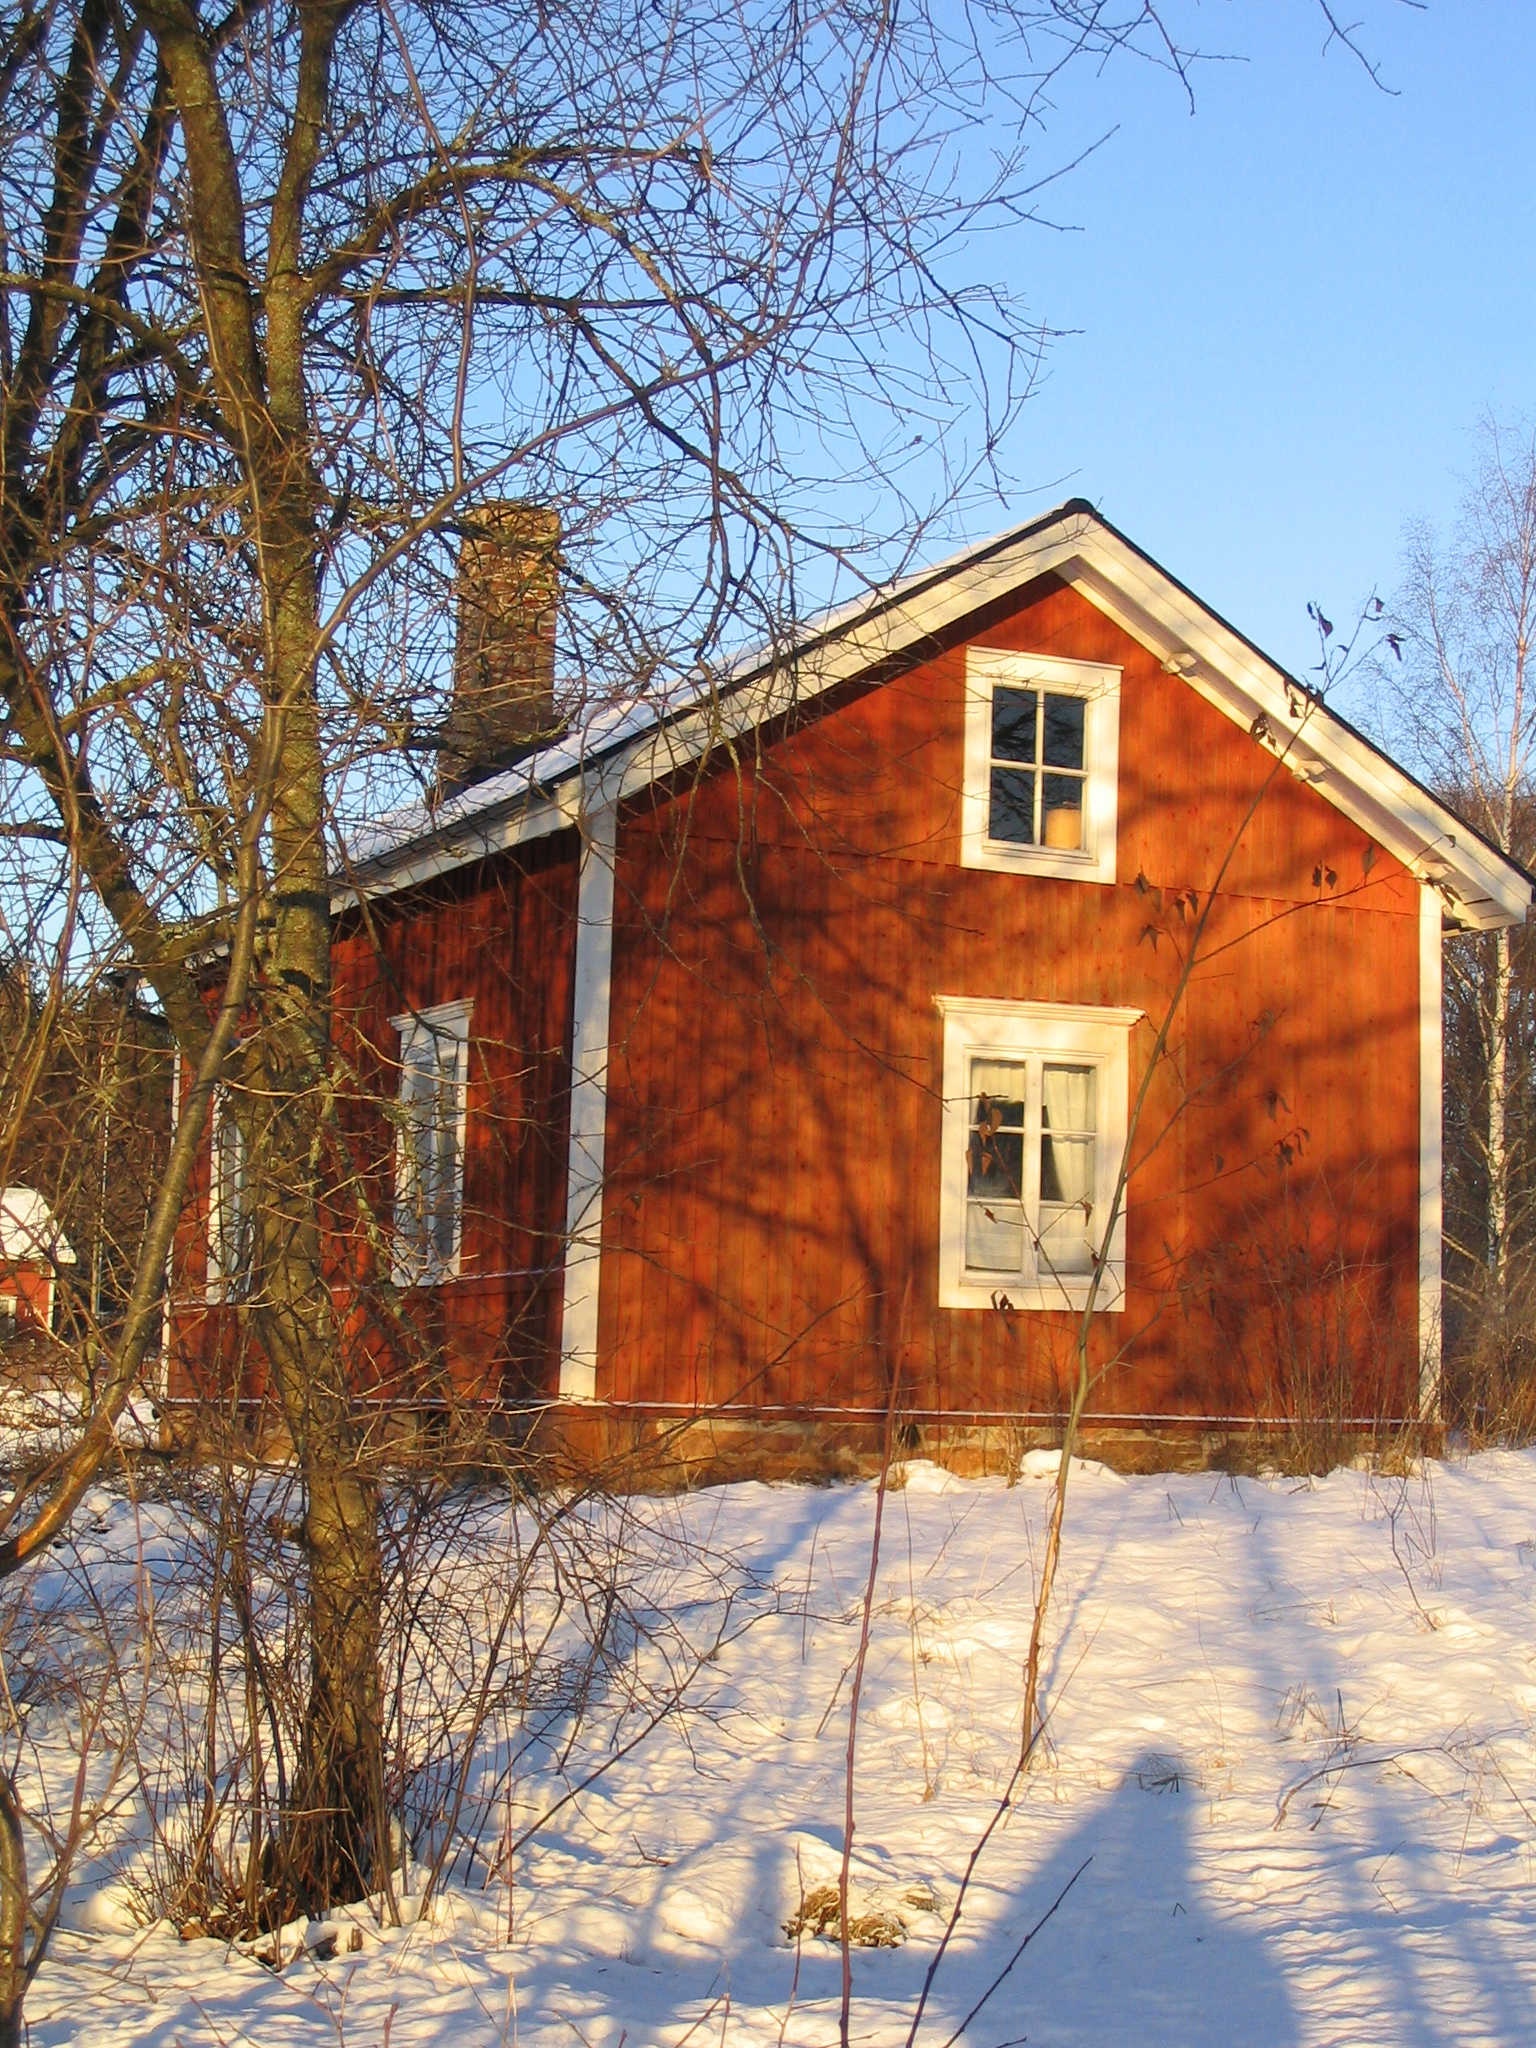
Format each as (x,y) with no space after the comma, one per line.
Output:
(748,1054)
(32,1250)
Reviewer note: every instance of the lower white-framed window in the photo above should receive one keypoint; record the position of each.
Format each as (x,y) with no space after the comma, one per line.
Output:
(429,1143)
(1036,1106)
(231,1207)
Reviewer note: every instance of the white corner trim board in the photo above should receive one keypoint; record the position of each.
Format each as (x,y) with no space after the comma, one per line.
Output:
(589,1106)
(1431,1148)
(167,1293)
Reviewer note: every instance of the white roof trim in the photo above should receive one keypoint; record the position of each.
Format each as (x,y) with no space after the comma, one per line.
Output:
(565,783)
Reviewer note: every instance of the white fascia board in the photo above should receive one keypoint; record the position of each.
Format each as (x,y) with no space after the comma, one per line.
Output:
(1225,671)
(546,811)
(747,696)
(839,654)
(1358,781)
(577,797)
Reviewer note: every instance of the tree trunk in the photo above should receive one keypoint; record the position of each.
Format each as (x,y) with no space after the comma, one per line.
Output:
(1498,1103)
(329,1847)
(13,1917)
(330,1850)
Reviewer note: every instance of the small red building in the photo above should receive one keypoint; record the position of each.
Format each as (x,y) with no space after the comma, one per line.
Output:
(748,1054)
(32,1249)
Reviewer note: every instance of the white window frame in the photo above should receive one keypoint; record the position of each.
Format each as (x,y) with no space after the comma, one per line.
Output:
(227,1283)
(976,1027)
(1099,686)
(413,1262)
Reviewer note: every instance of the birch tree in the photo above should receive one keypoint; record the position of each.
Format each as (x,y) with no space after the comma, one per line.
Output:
(1466,698)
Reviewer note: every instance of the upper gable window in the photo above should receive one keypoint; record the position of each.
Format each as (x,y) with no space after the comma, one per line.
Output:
(1042,756)
(429,1145)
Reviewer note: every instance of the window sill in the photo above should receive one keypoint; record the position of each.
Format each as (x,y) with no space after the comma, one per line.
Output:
(1036,1296)
(1055,863)
(416,1276)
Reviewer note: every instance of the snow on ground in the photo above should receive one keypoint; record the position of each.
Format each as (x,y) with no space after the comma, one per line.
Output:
(1291,1753)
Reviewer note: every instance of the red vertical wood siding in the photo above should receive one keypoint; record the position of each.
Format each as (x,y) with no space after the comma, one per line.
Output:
(771,1225)
(771,1220)
(500,935)
(30,1286)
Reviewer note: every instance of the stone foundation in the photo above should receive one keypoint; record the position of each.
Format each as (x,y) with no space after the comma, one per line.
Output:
(648,1453)
(628,1451)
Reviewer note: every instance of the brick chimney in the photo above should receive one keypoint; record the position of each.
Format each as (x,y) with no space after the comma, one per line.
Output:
(506,597)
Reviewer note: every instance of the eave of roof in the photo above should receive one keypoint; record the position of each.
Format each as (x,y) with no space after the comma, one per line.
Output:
(1335,718)
(629,746)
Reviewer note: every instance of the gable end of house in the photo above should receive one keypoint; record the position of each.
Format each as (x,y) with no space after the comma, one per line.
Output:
(633,747)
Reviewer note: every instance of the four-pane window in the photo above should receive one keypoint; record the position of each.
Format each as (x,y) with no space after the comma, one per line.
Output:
(1041,765)
(1036,1100)
(1038,769)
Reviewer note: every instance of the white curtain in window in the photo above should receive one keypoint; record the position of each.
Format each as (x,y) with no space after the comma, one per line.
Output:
(427,1208)
(230,1217)
(1067,1166)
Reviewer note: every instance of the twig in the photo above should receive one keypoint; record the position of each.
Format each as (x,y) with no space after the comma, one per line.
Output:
(853,1703)
(1336,1766)
(1024,1944)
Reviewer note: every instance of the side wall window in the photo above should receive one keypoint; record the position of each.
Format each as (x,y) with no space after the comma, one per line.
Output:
(231,1210)
(1036,1100)
(429,1144)
(1042,763)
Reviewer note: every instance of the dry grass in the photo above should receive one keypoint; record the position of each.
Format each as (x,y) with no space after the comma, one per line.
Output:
(819,1913)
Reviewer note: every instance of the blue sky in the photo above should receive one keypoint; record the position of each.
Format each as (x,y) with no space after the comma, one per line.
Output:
(1291,306)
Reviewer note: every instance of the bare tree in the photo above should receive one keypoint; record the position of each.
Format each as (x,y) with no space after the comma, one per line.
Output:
(286,293)
(290,295)
(1464,697)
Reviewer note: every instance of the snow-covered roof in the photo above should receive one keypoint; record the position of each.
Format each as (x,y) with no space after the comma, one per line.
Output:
(598,734)
(623,748)
(28,1229)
